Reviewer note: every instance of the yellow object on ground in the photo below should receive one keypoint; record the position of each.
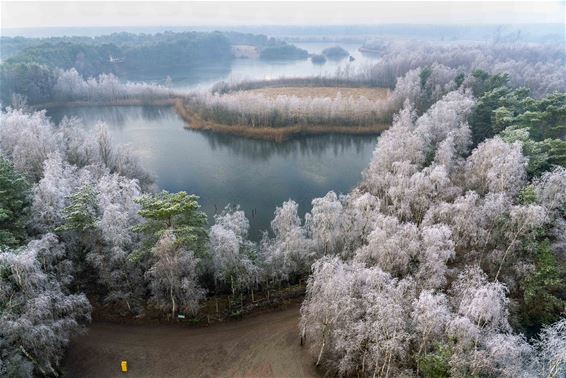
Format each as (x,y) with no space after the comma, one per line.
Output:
(124,365)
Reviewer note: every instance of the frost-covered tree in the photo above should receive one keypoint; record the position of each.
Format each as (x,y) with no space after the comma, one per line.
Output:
(105,88)
(233,257)
(474,242)
(257,110)
(495,167)
(38,316)
(98,222)
(70,85)
(401,173)
(85,192)
(549,189)
(361,211)
(430,316)
(173,279)
(479,326)
(29,139)
(356,318)
(26,140)
(117,214)
(392,246)
(289,252)
(437,249)
(50,195)
(398,144)
(551,350)
(325,224)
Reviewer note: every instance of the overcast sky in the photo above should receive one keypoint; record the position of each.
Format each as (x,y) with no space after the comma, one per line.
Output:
(136,13)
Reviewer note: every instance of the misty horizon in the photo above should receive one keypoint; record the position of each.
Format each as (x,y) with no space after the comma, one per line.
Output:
(283,189)
(145,14)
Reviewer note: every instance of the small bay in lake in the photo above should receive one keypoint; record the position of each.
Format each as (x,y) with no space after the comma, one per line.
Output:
(222,169)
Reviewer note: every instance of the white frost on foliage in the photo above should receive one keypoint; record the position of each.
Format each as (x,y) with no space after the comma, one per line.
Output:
(496,167)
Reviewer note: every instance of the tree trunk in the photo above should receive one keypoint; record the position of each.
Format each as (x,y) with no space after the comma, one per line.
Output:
(507,251)
(25,352)
(173,304)
(320,353)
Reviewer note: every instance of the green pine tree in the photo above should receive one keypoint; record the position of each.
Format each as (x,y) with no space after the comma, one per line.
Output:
(175,212)
(14,205)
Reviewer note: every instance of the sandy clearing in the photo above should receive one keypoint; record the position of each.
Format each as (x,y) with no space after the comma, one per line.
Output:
(265,345)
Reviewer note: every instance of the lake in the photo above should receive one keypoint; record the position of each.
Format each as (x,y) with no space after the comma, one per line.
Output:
(222,169)
(253,69)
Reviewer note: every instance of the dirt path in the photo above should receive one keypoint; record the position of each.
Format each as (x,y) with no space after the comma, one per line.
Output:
(262,346)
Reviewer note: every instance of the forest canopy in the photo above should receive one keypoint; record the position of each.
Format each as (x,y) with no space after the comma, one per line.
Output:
(31,67)
(447,259)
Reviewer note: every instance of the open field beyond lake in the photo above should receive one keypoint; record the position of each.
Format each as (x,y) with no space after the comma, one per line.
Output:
(280,134)
(330,92)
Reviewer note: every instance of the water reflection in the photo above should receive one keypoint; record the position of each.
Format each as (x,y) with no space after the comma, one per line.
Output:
(223,169)
(185,78)
(251,69)
(308,146)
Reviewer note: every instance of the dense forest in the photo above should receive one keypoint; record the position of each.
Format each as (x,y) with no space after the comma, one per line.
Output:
(31,67)
(447,259)
(129,52)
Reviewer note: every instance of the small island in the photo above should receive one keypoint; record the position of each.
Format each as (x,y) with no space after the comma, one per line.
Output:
(286,108)
(318,59)
(335,52)
(283,52)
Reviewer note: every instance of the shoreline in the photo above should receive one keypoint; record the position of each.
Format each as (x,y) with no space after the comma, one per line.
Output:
(278,135)
(194,122)
(171,101)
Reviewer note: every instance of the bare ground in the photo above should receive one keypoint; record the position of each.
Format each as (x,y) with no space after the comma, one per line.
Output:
(330,92)
(265,345)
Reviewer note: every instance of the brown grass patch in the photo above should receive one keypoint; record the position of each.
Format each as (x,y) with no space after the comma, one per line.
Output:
(373,94)
(194,122)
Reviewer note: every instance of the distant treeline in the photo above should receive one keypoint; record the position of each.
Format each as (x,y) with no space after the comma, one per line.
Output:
(508,33)
(535,32)
(32,84)
(126,53)
(33,66)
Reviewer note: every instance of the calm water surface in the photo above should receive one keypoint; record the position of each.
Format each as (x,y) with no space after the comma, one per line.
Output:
(221,169)
(252,69)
